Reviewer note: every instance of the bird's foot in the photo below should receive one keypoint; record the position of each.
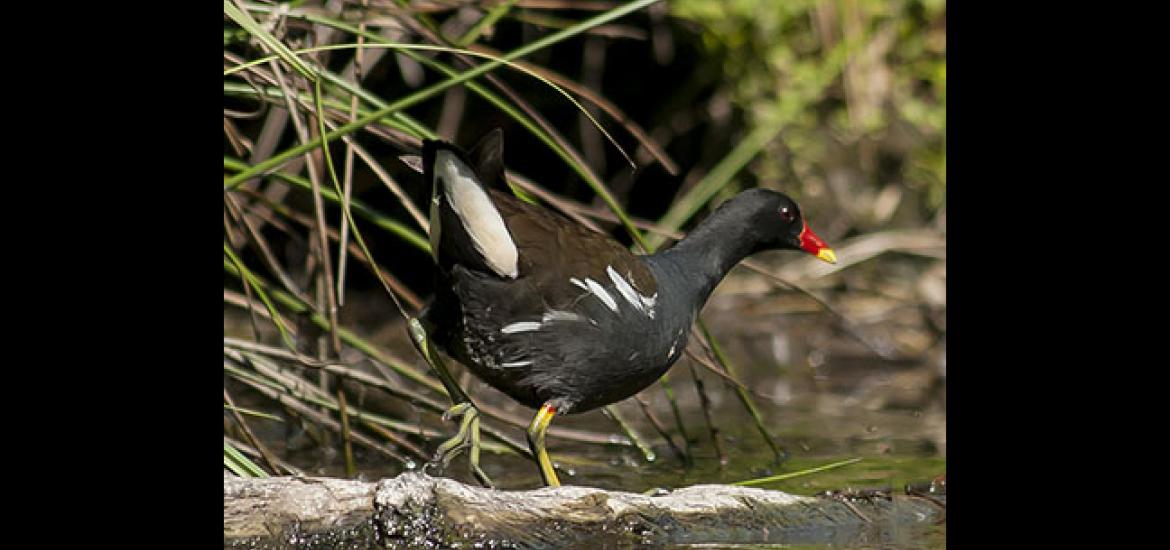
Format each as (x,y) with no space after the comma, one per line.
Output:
(466,438)
(468,435)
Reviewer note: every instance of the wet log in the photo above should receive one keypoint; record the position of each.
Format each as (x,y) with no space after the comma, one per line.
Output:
(414,510)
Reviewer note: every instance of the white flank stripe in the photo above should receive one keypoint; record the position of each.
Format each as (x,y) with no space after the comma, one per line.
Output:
(578,282)
(649,303)
(601,294)
(522,326)
(557,315)
(515,364)
(479,216)
(625,289)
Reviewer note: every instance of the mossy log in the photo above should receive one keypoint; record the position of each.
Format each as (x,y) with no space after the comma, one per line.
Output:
(414,510)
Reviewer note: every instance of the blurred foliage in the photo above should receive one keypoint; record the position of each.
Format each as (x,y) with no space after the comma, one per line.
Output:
(884,103)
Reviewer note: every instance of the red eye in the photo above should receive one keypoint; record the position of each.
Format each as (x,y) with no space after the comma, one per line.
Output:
(787,214)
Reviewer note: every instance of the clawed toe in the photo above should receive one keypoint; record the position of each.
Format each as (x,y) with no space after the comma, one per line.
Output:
(466,438)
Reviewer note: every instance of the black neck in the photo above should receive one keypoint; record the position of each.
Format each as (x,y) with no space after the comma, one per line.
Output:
(697,264)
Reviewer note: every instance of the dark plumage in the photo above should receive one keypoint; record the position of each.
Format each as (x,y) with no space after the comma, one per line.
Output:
(556,315)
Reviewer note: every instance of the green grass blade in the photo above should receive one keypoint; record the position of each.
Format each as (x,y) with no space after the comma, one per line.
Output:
(379,41)
(420,130)
(688,453)
(245,20)
(716,179)
(296,306)
(345,209)
(486,21)
(239,464)
(359,208)
(742,394)
(430,91)
(251,280)
(251,412)
(790,475)
(789,107)
(530,125)
(635,438)
(398,121)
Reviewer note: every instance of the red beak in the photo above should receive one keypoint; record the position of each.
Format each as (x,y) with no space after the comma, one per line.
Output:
(811,243)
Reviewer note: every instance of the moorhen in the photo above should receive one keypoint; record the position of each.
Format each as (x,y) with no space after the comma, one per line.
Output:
(559,317)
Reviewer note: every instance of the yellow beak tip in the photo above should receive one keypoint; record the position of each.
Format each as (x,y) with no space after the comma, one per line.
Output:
(827,255)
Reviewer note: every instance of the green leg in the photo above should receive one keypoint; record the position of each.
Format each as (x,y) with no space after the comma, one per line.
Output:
(468,434)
